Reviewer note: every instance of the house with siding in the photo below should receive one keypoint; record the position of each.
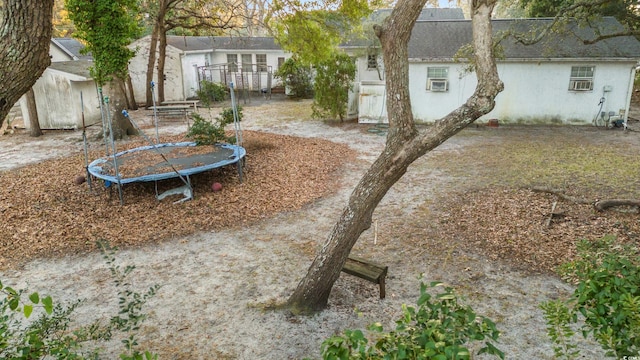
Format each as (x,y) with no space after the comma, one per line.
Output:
(248,62)
(559,80)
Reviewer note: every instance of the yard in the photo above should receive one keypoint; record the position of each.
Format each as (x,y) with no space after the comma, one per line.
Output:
(464,214)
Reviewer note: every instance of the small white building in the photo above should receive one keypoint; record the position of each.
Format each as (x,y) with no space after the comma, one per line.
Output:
(560,80)
(61,92)
(249,62)
(58,91)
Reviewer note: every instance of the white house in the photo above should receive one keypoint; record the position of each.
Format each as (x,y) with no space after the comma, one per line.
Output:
(249,62)
(560,80)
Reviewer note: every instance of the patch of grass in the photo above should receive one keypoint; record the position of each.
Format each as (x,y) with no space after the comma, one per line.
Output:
(570,161)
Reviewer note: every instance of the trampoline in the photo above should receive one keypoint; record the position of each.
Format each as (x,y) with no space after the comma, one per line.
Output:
(180,159)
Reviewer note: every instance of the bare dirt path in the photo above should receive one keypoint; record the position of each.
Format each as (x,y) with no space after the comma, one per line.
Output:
(212,281)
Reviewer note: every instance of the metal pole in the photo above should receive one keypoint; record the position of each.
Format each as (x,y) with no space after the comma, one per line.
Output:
(113,146)
(84,140)
(236,126)
(104,125)
(155,111)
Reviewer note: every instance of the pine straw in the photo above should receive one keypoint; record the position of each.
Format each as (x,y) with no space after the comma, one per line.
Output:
(45,214)
(511,225)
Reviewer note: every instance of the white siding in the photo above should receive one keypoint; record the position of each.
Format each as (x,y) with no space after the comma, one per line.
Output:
(58,101)
(535,93)
(174,84)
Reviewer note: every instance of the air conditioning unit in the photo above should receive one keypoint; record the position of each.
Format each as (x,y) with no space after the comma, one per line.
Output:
(438,85)
(582,85)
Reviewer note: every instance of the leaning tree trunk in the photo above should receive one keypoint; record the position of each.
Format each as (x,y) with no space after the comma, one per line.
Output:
(25,34)
(32,110)
(404,144)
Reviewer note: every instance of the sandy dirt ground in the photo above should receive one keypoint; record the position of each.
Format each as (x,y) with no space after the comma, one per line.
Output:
(212,283)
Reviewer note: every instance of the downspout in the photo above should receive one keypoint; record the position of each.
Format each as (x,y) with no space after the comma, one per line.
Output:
(629,93)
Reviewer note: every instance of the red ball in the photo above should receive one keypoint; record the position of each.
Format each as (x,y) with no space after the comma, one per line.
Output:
(79,180)
(216,186)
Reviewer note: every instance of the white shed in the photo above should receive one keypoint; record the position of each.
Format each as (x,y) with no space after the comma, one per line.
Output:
(57,94)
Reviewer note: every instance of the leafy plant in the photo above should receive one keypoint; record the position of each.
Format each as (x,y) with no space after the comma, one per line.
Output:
(438,329)
(558,317)
(204,132)
(226,116)
(210,92)
(296,77)
(50,336)
(332,83)
(607,297)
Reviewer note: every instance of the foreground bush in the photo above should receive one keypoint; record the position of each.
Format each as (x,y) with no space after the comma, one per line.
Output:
(607,300)
(438,329)
(49,335)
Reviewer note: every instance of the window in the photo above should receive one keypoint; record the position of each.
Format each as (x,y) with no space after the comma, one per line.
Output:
(581,78)
(438,79)
(232,62)
(247,63)
(261,61)
(372,62)
(280,62)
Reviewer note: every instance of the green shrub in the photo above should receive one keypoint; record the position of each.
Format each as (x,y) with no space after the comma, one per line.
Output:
(332,83)
(607,299)
(296,77)
(204,132)
(211,92)
(226,116)
(438,329)
(50,336)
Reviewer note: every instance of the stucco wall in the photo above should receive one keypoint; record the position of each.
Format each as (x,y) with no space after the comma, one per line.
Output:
(534,92)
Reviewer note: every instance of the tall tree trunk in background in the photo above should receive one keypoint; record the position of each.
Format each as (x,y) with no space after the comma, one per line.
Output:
(25,34)
(153,46)
(131,96)
(34,121)
(404,143)
(162,56)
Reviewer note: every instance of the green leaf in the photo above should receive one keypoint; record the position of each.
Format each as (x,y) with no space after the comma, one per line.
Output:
(28,309)
(35,298)
(48,304)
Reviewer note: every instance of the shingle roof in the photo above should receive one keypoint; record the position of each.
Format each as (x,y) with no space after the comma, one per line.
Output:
(432,40)
(76,67)
(72,47)
(200,43)
(425,14)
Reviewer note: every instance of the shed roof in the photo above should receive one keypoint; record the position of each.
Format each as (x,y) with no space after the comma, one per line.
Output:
(75,67)
(71,47)
(204,43)
(442,39)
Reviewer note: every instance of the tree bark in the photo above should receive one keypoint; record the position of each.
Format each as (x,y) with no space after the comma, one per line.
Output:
(404,143)
(32,109)
(162,55)
(25,34)
(121,126)
(157,27)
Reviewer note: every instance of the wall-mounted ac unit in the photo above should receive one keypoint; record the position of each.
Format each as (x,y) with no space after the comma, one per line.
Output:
(582,85)
(438,85)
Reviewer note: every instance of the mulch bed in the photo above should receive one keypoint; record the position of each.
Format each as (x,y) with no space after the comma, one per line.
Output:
(46,214)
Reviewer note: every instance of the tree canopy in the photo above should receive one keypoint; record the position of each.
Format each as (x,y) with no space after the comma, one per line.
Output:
(626,12)
(106,27)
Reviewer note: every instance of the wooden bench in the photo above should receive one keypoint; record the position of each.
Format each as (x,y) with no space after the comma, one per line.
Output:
(367,270)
